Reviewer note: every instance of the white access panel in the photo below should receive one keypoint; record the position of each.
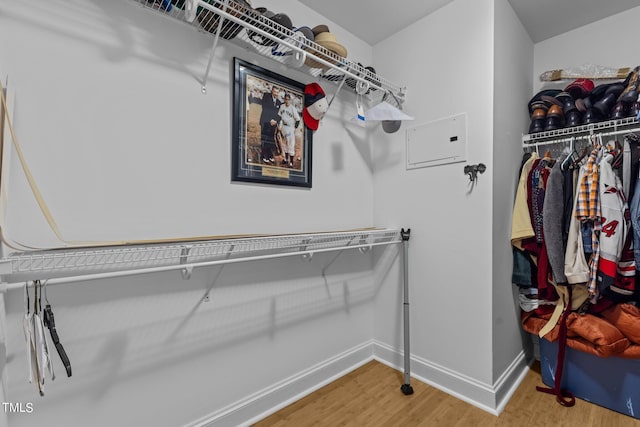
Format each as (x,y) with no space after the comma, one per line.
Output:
(438,142)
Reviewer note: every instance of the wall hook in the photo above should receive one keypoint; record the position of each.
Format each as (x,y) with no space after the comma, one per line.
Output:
(473,170)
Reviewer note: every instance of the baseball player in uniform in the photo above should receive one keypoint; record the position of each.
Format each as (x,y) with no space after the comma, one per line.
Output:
(290,118)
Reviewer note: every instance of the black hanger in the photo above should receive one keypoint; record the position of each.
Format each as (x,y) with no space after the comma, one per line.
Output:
(50,323)
(577,161)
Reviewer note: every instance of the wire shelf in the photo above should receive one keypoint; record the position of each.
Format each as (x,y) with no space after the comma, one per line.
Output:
(54,263)
(245,25)
(610,127)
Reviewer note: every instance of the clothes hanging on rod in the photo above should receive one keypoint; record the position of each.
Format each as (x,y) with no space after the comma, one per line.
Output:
(572,241)
(572,227)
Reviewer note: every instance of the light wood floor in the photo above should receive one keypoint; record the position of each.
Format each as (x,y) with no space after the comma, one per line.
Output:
(370,396)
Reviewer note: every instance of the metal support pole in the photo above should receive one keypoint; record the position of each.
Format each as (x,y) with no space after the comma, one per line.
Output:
(406,387)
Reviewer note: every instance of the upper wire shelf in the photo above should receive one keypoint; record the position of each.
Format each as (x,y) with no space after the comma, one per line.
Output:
(245,25)
(610,127)
(46,264)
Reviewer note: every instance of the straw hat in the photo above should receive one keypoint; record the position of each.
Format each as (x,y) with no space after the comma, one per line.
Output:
(327,40)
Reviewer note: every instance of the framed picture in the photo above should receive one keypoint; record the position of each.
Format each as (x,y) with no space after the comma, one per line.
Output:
(270,143)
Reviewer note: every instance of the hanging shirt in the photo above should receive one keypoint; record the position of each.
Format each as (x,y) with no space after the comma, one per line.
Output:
(521,227)
(588,211)
(552,212)
(576,267)
(538,183)
(613,267)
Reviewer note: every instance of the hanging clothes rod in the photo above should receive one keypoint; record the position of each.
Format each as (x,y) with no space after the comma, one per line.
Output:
(5,287)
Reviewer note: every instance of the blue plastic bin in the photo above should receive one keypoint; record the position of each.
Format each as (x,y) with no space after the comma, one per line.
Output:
(611,382)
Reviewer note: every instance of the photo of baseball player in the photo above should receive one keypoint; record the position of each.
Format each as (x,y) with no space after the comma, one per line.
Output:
(289,122)
(274,125)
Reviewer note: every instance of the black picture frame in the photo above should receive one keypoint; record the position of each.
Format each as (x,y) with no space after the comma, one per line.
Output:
(257,157)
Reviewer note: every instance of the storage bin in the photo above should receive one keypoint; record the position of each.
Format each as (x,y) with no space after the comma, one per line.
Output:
(611,382)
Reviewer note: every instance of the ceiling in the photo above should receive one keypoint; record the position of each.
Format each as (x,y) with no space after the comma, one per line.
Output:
(544,19)
(375,20)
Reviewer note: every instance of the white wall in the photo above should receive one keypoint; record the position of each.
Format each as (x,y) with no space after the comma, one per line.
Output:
(446,62)
(513,50)
(125,146)
(604,43)
(116,131)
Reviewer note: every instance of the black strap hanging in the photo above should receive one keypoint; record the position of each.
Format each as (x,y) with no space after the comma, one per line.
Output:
(49,322)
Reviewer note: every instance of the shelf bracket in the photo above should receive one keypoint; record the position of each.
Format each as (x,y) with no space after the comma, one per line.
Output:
(363,241)
(184,258)
(344,77)
(213,48)
(306,255)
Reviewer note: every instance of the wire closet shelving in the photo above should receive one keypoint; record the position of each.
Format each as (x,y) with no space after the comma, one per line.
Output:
(80,264)
(243,25)
(579,133)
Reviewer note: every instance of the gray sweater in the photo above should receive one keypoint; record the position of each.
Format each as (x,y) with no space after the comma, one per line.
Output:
(552,221)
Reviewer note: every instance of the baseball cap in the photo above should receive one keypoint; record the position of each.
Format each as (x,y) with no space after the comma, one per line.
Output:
(315,105)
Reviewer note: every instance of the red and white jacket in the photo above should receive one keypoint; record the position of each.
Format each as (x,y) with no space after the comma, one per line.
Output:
(616,264)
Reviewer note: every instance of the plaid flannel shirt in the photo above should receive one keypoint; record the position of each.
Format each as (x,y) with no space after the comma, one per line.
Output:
(588,211)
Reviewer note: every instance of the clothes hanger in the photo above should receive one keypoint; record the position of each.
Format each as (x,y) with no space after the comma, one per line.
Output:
(28,331)
(586,150)
(42,348)
(572,156)
(49,322)
(37,351)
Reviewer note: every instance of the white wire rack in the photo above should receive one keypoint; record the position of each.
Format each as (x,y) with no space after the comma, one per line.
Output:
(242,24)
(67,265)
(606,128)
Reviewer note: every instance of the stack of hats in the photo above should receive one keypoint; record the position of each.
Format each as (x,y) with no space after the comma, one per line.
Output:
(276,24)
(325,39)
(581,103)
(209,20)
(301,38)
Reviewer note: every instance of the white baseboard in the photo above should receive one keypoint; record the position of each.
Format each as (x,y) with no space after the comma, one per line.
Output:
(490,398)
(271,399)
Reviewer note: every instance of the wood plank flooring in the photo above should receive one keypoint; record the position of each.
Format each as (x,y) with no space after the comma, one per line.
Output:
(370,396)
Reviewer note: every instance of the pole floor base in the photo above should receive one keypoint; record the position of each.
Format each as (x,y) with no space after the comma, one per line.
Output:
(406,389)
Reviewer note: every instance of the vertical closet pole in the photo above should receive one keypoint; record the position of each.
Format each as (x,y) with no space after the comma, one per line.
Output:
(406,387)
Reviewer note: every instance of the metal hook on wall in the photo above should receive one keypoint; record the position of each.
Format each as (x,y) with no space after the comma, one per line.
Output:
(473,170)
